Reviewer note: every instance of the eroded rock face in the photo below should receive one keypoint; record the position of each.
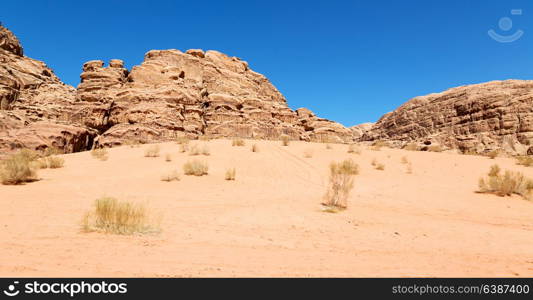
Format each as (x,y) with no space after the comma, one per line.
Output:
(34,104)
(170,94)
(193,93)
(479,118)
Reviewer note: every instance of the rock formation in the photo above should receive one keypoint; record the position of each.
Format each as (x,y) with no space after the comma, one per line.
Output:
(477,118)
(33,104)
(193,93)
(170,94)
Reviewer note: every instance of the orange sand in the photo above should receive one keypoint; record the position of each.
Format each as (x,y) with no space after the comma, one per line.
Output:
(269,221)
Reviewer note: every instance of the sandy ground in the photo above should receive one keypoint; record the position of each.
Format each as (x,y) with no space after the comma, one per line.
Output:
(269,221)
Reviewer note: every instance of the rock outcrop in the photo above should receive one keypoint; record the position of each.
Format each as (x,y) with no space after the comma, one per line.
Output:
(34,104)
(193,93)
(172,93)
(474,118)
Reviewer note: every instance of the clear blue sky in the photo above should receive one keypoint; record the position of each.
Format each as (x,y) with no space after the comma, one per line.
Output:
(349,61)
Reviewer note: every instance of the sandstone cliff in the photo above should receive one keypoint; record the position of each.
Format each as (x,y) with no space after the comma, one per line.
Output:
(171,93)
(478,118)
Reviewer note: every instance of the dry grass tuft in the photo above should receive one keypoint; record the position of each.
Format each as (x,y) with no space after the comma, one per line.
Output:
(411,147)
(405,160)
(526,161)
(329,147)
(197,150)
(352,148)
(196,168)
(19,168)
(507,184)
(100,154)
(308,153)
(168,157)
(340,184)
(493,154)
(152,151)
(237,142)
(55,162)
(182,140)
(285,140)
(255,148)
(172,176)
(230,174)
(184,148)
(119,217)
(435,148)
(377,165)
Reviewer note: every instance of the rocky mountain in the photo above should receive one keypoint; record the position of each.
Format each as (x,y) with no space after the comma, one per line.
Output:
(171,93)
(477,118)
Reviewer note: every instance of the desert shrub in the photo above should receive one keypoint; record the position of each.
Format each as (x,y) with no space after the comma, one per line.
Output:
(55,162)
(340,183)
(196,168)
(285,140)
(119,217)
(27,154)
(182,140)
(354,149)
(204,138)
(505,184)
(18,168)
(434,148)
(230,174)
(197,150)
(152,151)
(100,154)
(168,157)
(411,147)
(171,176)
(184,148)
(52,151)
(409,168)
(255,148)
(404,160)
(308,153)
(525,161)
(380,167)
(329,147)
(41,163)
(132,143)
(493,154)
(237,142)
(377,145)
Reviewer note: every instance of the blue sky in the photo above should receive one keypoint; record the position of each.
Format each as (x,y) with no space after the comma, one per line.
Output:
(348,61)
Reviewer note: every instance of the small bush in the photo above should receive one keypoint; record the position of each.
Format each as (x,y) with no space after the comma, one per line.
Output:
(100,154)
(493,154)
(55,162)
(405,160)
(230,174)
(353,149)
(377,145)
(329,147)
(41,163)
(52,151)
(380,167)
(168,157)
(196,168)
(152,151)
(409,168)
(255,148)
(507,184)
(132,143)
(411,147)
(119,217)
(308,153)
(172,176)
(196,150)
(237,142)
(435,148)
(18,168)
(285,140)
(340,184)
(184,148)
(182,140)
(526,161)
(204,138)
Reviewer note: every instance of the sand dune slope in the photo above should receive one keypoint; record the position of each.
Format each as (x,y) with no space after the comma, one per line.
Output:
(269,221)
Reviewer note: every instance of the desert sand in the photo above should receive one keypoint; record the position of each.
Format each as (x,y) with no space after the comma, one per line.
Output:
(269,221)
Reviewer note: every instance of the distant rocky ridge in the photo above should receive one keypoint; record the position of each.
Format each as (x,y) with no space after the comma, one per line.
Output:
(477,118)
(172,93)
